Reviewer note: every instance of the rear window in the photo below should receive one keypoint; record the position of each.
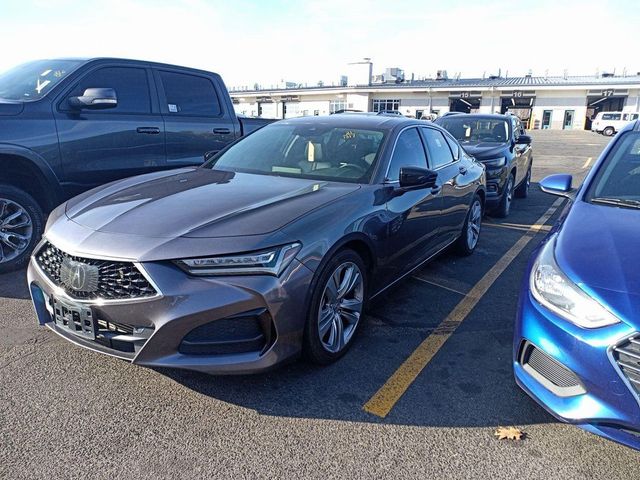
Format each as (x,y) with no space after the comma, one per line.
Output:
(190,94)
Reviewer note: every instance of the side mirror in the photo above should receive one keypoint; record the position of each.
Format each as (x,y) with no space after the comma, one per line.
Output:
(414,178)
(95,99)
(524,140)
(558,185)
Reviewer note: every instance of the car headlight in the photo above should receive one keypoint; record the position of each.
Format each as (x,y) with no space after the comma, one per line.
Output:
(495,162)
(268,262)
(555,291)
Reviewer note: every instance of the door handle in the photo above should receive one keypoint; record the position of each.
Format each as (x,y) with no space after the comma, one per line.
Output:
(221,131)
(463,170)
(148,130)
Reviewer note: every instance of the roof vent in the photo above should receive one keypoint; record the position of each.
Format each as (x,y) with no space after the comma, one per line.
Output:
(442,75)
(607,74)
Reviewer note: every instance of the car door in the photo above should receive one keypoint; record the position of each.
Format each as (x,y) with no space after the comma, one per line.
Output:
(98,146)
(523,152)
(456,190)
(413,216)
(194,116)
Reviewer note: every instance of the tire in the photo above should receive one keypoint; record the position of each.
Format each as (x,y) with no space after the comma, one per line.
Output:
(504,207)
(468,240)
(328,337)
(609,131)
(19,232)
(523,189)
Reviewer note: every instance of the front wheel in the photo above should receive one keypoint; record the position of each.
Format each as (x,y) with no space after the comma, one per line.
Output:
(523,189)
(609,131)
(504,207)
(21,225)
(335,309)
(468,240)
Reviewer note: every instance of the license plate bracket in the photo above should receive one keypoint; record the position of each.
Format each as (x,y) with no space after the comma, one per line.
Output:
(73,318)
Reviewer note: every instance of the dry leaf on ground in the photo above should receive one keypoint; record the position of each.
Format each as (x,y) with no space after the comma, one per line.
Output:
(509,433)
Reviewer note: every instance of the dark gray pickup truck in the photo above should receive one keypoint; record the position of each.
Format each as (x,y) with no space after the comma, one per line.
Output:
(67,125)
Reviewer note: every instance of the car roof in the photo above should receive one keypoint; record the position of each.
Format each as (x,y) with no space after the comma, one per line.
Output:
(497,116)
(87,60)
(355,120)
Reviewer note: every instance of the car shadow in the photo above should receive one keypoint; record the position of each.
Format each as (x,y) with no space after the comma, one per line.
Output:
(14,285)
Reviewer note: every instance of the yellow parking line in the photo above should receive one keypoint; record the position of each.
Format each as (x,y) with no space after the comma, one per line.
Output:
(587,163)
(381,403)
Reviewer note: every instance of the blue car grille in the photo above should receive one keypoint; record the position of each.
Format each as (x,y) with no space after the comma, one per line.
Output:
(627,356)
(116,280)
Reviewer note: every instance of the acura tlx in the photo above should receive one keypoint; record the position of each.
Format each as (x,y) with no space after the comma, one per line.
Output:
(268,250)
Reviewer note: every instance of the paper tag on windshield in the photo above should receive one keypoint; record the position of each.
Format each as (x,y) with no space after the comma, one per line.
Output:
(311,155)
(173,108)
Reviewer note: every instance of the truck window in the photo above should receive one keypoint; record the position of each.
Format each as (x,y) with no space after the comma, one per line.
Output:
(190,94)
(131,86)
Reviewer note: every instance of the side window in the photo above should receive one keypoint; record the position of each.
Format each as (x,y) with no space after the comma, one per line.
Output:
(131,86)
(408,152)
(453,145)
(190,94)
(625,116)
(634,116)
(615,116)
(438,148)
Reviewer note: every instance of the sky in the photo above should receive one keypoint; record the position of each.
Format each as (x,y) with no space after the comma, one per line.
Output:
(268,41)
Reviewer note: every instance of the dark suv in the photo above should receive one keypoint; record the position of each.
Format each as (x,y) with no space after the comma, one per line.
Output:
(501,143)
(67,125)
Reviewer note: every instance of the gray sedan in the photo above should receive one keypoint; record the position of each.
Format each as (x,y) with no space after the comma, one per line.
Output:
(270,249)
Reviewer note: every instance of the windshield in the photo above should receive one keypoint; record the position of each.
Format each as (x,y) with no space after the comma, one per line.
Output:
(31,81)
(618,179)
(474,130)
(309,150)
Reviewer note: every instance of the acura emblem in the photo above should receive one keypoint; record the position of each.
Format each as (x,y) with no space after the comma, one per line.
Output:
(79,276)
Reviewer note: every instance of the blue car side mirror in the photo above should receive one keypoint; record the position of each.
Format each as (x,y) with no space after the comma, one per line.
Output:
(558,185)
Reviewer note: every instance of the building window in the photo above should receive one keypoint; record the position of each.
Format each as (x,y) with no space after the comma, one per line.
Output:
(386,105)
(337,105)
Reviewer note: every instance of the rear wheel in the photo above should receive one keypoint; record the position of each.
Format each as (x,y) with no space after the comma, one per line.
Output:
(336,306)
(523,189)
(609,131)
(468,240)
(21,225)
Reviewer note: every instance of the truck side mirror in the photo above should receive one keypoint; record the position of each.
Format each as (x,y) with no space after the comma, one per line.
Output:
(95,99)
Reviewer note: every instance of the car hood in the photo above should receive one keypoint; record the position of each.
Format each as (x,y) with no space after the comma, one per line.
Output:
(201,203)
(484,150)
(10,107)
(597,247)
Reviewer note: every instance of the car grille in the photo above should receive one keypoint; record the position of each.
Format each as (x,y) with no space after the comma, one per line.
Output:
(627,356)
(116,280)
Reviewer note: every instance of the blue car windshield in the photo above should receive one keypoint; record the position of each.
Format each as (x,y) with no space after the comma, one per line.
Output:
(617,182)
(310,150)
(31,81)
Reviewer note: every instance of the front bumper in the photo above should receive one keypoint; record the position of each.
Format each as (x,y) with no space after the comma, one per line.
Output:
(156,327)
(608,404)
(496,181)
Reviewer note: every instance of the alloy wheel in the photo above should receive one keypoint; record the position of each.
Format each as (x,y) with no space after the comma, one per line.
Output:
(473,225)
(16,230)
(340,307)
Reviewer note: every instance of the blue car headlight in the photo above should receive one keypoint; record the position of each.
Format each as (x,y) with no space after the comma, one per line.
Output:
(272,261)
(495,162)
(555,291)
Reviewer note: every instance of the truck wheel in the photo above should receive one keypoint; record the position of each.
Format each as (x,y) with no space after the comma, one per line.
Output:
(21,225)
(609,131)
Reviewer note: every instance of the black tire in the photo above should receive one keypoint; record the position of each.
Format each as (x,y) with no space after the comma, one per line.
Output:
(523,189)
(313,348)
(504,207)
(609,131)
(12,197)
(466,244)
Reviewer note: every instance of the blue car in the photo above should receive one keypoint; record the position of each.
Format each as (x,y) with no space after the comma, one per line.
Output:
(577,334)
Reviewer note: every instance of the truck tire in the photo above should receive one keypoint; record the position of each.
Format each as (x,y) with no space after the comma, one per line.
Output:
(504,207)
(21,226)
(609,131)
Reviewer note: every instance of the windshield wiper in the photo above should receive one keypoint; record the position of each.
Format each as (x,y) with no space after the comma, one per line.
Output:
(618,202)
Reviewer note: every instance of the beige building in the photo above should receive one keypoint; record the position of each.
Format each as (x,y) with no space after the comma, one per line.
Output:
(541,102)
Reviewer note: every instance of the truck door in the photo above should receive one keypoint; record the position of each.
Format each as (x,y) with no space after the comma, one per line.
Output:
(196,118)
(98,146)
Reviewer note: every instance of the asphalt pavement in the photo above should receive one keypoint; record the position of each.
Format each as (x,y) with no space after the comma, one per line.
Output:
(66,412)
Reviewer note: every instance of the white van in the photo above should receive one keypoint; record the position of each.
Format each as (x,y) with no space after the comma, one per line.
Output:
(609,123)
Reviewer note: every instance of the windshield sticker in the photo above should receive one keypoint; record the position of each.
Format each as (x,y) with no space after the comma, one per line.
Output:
(311,152)
(173,108)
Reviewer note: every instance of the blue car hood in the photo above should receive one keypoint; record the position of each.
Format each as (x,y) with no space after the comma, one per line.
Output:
(598,248)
